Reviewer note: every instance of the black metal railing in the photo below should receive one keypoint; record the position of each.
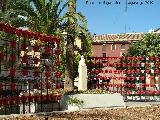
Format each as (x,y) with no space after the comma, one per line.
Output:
(136,77)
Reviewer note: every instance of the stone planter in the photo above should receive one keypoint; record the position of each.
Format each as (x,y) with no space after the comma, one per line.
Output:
(95,100)
(74,107)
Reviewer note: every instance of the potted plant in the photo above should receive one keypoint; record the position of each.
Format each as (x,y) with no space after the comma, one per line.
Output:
(74,104)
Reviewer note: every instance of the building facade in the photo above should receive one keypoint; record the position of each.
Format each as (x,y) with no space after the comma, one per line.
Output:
(110,45)
(113,44)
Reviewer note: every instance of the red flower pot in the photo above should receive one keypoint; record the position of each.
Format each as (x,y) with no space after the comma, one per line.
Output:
(36,86)
(12,72)
(57,51)
(58,97)
(25,59)
(36,48)
(57,62)
(36,73)
(36,60)
(47,50)
(23,47)
(1,87)
(12,44)
(48,73)
(1,56)
(12,58)
(30,98)
(58,86)
(48,85)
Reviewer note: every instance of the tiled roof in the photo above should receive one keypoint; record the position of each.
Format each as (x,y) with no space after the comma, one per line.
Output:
(118,37)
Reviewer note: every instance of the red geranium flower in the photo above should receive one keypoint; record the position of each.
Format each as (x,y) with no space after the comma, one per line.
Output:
(36,73)
(25,59)
(57,62)
(57,40)
(47,50)
(138,71)
(36,60)
(36,36)
(58,97)
(48,74)
(36,48)
(57,51)
(133,64)
(58,74)
(142,77)
(156,71)
(25,72)
(147,71)
(129,71)
(18,32)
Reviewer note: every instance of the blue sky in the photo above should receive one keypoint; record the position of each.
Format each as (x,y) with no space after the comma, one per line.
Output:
(111,19)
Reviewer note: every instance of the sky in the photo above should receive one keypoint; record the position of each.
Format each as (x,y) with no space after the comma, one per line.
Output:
(117,18)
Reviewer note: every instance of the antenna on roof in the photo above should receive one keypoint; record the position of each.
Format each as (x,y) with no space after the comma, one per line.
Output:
(125,28)
(126,6)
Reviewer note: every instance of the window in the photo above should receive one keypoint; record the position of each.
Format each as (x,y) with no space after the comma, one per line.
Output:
(103,54)
(104,47)
(113,47)
(123,47)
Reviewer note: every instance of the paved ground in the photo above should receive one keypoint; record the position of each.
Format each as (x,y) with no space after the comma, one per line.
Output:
(134,104)
(133,113)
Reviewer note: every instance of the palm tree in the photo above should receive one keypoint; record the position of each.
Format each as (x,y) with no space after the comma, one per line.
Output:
(77,28)
(69,80)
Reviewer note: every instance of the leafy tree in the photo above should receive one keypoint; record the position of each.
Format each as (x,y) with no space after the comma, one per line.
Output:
(149,45)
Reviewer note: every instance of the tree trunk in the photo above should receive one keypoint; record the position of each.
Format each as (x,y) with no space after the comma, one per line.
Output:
(69,79)
(3,5)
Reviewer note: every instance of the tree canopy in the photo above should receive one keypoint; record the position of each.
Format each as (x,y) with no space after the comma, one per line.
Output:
(149,45)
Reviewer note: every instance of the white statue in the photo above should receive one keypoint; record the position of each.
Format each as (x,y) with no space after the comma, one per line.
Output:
(82,70)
